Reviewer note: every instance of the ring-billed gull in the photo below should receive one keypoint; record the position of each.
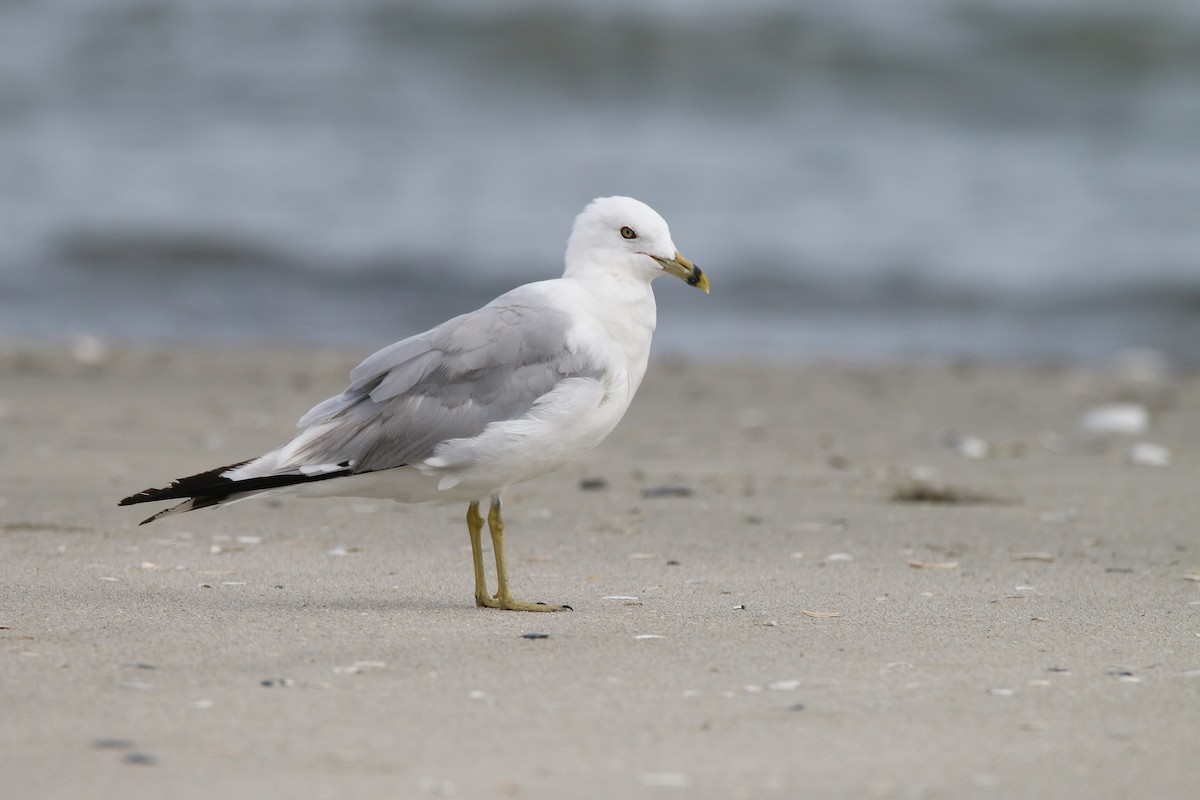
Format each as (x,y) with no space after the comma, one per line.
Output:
(492,398)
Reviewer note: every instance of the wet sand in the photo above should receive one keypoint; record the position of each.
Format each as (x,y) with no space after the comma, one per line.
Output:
(837,581)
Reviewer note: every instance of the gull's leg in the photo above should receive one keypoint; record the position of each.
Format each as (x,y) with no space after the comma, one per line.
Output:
(475,527)
(503,597)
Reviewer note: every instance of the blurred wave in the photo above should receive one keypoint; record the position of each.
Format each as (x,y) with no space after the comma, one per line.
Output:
(1000,178)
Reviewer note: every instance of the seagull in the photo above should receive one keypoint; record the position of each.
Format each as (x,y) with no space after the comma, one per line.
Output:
(486,400)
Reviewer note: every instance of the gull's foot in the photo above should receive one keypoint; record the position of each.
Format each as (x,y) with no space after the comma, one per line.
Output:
(508,604)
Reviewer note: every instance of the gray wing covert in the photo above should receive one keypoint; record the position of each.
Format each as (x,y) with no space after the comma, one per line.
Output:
(449,382)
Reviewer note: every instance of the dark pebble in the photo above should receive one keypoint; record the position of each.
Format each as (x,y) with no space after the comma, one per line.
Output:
(672,563)
(666,491)
(535,636)
(796,707)
(140,759)
(593,484)
(112,744)
(1119,569)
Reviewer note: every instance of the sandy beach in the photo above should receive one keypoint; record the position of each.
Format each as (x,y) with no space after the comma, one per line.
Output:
(834,581)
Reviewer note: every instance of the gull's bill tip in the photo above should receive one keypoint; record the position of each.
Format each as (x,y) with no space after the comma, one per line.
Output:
(683,268)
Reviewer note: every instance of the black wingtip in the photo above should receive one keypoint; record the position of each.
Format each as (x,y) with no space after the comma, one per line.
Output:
(212,488)
(212,481)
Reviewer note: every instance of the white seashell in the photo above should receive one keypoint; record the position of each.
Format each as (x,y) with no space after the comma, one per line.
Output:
(1148,454)
(1128,418)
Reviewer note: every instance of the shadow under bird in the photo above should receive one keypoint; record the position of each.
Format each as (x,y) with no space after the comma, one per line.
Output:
(483,401)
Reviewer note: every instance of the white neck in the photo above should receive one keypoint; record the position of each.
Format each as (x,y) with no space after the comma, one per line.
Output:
(626,313)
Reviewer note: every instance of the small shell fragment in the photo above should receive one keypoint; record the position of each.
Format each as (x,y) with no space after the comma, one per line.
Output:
(1033,556)
(973,447)
(1149,454)
(932,564)
(821,614)
(359,667)
(1129,418)
(88,349)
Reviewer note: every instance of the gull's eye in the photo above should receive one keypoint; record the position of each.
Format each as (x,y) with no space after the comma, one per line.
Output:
(628,232)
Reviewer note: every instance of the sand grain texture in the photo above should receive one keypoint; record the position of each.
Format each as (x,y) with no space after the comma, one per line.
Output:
(331,649)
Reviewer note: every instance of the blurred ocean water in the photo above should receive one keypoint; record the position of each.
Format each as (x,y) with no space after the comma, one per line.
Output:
(1009,179)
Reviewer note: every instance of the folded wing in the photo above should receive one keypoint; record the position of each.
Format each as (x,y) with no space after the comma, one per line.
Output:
(448,383)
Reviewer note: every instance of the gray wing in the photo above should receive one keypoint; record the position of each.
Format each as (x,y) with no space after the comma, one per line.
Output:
(449,382)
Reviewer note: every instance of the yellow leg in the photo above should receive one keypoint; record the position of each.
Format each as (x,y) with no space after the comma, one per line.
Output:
(475,527)
(503,597)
